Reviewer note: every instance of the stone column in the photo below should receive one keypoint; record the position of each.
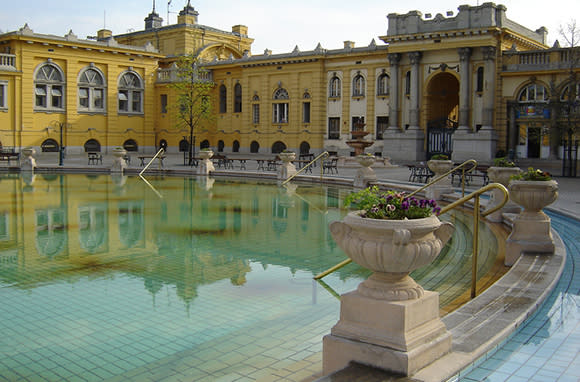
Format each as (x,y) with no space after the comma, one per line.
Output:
(489,53)
(464,87)
(512,129)
(394,60)
(415,58)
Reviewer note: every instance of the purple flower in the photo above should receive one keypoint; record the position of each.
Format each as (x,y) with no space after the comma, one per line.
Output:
(405,205)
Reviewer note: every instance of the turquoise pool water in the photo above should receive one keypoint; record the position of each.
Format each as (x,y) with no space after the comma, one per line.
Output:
(107,278)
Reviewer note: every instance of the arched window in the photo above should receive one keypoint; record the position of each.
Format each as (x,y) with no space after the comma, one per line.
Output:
(383,84)
(49,146)
(533,93)
(304,148)
(92,146)
(183,146)
(130,93)
(254,147)
(334,87)
(280,106)
(204,144)
(358,86)
(236,147)
(223,99)
(570,93)
(306,108)
(131,145)
(51,233)
(49,85)
(255,109)
(238,98)
(93,231)
(479,80)
(91,90)
(221,146)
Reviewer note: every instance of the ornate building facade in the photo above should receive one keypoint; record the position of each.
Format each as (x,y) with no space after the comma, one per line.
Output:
(474,85)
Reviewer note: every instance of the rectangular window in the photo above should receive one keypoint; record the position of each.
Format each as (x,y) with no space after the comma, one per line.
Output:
(3,102)
(256,113)
(56,99)
(382,125)
(84,98)
(40,95)
(280,113)
(123,100)
(98,98)
(163,103)
(306,112)
(333,128)
(136,102)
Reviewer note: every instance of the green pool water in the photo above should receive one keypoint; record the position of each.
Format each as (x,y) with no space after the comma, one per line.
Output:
(111,278)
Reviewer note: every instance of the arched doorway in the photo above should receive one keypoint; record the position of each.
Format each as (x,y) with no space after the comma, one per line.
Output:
(278,147)
(236,146)
(131,145)
(254,147)
(49,146)
(304,148)
(204,144)
(92,146)
(442,106)
(221,146)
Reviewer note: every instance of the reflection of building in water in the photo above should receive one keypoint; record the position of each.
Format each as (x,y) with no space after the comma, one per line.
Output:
(70,226)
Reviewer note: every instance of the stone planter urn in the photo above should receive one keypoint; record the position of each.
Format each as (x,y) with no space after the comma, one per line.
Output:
(365,174)
(287,169)
(413,336)
(205,164)
(119,163)
(439,167)
(27,162)
(502,176)
(531,230)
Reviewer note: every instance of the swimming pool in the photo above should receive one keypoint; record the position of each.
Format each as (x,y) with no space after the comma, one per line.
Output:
(106,278)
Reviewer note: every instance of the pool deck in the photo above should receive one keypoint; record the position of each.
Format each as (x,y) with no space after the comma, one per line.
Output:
(525,327)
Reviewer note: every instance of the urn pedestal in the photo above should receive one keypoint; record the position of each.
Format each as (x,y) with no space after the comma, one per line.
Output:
(27,162)
(119,163)
(205,164)
(413,336)
(287,168)
(444,186)
(531,230)
(365,174)
(502,176)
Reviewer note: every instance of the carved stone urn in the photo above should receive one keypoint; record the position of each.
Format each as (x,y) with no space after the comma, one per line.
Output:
(439,167)
(413,336)
(27,162)
(365,174)
(287,168)
(502,176)
(205,164)
(531,230)
(119,163)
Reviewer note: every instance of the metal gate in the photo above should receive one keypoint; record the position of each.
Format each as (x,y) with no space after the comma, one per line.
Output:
(439,141)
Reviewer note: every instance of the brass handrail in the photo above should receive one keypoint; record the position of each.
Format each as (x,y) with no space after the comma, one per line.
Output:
(463,172)
(321,156)
(160,152)
(476,215)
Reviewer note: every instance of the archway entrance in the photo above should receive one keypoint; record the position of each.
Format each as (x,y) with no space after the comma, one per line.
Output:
(442,106)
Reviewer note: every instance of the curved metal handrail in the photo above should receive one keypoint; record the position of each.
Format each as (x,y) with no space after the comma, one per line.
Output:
(323,155)
(461,166)
(476,215)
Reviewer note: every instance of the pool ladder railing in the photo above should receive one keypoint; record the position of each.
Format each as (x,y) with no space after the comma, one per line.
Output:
(461,167)
(477,214)
(322,156)
(160,152)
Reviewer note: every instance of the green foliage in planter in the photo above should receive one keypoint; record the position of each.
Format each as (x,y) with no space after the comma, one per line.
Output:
(440,157)
(503,162)
(532,175)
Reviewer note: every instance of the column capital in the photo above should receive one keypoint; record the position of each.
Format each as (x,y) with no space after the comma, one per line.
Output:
(415,57)
(464,53)
(394,58)
(488,53)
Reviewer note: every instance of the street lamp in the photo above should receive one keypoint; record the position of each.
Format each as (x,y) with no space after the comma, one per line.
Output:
(61,127)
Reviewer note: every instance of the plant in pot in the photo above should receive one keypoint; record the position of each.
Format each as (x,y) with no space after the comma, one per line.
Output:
(501,172)
(287,155)
(440,164)
(533,190)
(391,234)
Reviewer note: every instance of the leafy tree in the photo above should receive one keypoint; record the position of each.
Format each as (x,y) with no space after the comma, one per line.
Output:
(193,89)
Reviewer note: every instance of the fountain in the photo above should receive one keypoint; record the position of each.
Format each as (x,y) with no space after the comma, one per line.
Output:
(358,143)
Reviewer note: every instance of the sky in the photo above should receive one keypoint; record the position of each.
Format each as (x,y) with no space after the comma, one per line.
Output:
(273,24)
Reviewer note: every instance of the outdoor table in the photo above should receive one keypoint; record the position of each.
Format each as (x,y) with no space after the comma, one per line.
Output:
(94,158)
(160,158)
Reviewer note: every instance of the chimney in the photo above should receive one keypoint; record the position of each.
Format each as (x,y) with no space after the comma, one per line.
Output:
(348,44)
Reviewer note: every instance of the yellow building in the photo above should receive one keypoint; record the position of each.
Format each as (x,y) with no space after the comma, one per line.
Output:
(443,84)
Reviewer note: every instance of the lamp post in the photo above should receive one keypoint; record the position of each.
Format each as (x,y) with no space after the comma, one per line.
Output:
(61,127)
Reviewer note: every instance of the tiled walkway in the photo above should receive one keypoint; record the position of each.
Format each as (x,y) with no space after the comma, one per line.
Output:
(547,346)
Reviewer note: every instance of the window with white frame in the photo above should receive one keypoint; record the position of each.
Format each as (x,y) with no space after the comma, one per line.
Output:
(358,86)
(533,93)
(3,92)
(49,87)
(130,93)
(255,109)
(383,84)
(334,87)
(91,91)
(280,106)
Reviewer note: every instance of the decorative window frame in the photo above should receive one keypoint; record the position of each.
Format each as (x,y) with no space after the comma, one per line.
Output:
(128,92)
(3,95)
(383,84)
(334,87)
(280,106)
(255,109)
(238,98)
(53,90)
(532,97)
(92,90)
(306,108)
(358,86)
(223,99)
